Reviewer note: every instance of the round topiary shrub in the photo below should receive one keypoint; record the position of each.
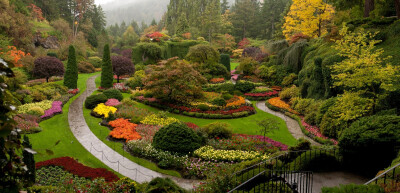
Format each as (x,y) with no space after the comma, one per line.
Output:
(218,130)
(38,111)
(176,137)
(244,86)
(203,107)
(368,144)
(163,185)
(92,101)
(219,102)
(113,94)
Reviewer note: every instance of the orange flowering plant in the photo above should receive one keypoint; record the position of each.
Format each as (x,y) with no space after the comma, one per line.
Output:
(236,101)
(277,102)
(14,55)
(123,129)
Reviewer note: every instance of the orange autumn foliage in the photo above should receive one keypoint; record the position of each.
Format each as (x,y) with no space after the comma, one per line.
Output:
(277,102)
(123,129)
(14,55)
(37,12)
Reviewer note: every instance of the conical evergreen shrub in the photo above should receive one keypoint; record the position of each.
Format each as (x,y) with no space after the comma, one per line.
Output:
(226,61)
(71,74)
(106,69)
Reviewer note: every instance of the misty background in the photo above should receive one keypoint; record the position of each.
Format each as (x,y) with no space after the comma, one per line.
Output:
(118,11)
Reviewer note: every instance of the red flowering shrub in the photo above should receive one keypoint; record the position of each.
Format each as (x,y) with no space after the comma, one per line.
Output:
(192,126)
(76,168)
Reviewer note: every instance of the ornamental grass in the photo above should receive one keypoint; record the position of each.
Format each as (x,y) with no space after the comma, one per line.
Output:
(123,129)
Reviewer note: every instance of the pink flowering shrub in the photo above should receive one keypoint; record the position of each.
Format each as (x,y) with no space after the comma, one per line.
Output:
(56,108)
(112,102)
(27,123)
(314,130)
(121,87)
(147,131)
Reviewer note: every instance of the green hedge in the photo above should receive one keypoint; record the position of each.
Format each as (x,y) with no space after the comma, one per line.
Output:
(352,188)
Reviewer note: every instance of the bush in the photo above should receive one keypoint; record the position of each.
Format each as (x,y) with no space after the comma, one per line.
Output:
(370,138)
(95,61)
(86,67)
(219,102)
(37,111)
(176,137)
(302,144)
(248,66)
(353,188)
(52,54)
(289,79)
(203,107)
(218,129)
(289,93)
(92,101)
(227,96)
(136,80)
(163,185)
(113,94)
(203,54)
(226,61)
(244,86)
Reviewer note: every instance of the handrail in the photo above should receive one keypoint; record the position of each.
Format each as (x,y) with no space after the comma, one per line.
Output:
(382,174)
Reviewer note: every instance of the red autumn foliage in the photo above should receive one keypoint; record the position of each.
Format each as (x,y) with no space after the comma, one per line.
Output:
(71,165)
(296,37)
(187,36)
(265,94)
(37,12)
(244,43)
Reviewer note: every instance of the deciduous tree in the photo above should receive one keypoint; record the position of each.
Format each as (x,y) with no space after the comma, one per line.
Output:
(122,66)
(46,67)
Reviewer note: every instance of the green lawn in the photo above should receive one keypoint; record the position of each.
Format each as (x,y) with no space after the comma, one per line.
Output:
(57,129)
(234,64)
(247,125)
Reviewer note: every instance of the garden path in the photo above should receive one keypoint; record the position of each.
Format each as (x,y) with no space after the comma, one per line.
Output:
(104,153)
(292,125)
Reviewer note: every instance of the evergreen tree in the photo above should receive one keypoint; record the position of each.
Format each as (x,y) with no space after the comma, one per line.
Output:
(226,61)
(107,77)
(271,13)
(182,25)
(224,6)
(71,74)
(211,19)
(153,22)
(244,18)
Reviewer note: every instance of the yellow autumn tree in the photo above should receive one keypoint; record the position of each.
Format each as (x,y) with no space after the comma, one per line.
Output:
(309,17)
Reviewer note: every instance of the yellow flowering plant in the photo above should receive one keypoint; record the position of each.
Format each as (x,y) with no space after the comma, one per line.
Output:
(209,153)
(156,120)
(102,109)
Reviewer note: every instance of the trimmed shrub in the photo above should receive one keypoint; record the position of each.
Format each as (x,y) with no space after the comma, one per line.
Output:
(203,54)
(370,138)
(107,77)
(203,107)
(176,137)
(163,185)
(52,54)
(148,53)
(289,93)
(289,79)
(37,111)
(113,94)
(86,67)
(226,61)
(71,74)
(248,66)
(95,61)
(219,102)
(218,129)
(92,101)
(244,86)
(227,96)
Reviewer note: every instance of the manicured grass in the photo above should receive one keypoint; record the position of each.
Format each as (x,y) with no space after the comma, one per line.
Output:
(102,133)
(57,129)
(234,65)
(247,125)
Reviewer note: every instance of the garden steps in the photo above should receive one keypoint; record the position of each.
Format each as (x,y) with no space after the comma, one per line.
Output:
(106,154)
(292,125)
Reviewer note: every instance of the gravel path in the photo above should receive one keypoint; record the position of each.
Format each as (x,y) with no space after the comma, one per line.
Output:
(104,153)
(292,125)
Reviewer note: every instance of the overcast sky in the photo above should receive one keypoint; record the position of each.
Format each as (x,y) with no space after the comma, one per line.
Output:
(102,1)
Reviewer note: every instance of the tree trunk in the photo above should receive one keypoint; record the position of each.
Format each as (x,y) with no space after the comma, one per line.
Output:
(47,79)
(368,7)
(117,79)
(397,5)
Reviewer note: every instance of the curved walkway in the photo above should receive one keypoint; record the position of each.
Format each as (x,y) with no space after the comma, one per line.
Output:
(292,125)
(104,153)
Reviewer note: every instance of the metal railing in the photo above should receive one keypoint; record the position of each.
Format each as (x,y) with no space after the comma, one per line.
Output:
(388,177)
(119,164)
(285,163)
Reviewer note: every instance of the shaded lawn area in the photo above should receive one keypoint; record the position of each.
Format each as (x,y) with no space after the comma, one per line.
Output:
(234,65)
(57,129)
(247,125)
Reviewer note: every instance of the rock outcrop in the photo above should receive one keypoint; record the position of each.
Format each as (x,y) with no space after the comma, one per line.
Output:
(50,42)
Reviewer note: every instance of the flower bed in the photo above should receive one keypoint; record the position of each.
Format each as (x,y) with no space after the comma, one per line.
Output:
(315,131)
(73,91)
(56,108)
(123,129)
(23,109)
(71,165)
(27,123)
(121,87)
(278,103)
(261,96)
(309,130)
(236,108)
(147,131)
(156,120)
(103,110)
(209,153)
(112,102)
(217,80)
